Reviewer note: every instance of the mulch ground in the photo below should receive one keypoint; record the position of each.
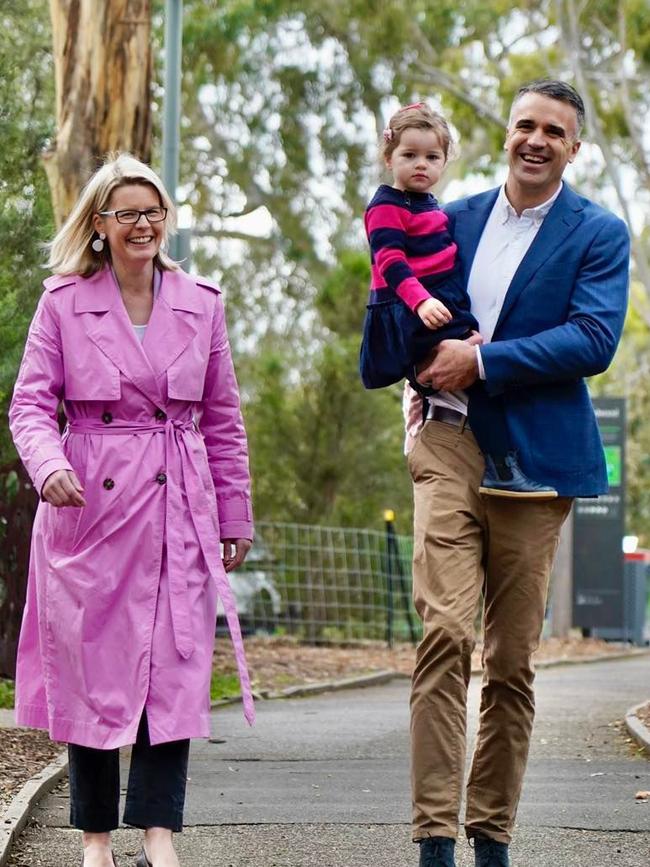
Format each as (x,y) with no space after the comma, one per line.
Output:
(274,664)
(23,752)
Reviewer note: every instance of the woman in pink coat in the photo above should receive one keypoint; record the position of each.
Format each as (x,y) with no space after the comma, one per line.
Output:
(150,473)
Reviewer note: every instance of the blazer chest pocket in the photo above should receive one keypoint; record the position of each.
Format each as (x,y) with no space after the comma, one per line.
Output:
(186,376)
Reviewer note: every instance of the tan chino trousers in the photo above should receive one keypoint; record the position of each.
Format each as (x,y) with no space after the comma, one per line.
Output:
(466,545)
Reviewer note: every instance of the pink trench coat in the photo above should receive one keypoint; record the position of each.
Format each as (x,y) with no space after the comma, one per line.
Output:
(122,593)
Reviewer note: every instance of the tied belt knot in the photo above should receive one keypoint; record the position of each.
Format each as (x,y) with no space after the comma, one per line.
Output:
(182,474)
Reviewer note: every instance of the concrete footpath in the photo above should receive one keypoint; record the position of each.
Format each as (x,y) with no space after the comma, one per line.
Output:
(324,781)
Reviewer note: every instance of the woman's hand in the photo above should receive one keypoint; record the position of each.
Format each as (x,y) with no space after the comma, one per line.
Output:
(63,488)
(232,561)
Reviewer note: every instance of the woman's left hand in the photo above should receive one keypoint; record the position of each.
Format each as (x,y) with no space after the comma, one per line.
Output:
(231,560)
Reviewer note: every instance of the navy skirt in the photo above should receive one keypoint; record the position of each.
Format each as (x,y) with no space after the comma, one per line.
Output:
(395,339)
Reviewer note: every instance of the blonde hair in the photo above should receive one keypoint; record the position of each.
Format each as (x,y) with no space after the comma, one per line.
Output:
(70,250)
(416,116)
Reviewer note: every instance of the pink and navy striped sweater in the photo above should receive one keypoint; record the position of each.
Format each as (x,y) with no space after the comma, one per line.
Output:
(412,252)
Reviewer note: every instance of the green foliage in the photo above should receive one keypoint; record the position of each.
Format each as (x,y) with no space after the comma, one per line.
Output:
(26,108)
(224,686)
(7,694)
(628,377)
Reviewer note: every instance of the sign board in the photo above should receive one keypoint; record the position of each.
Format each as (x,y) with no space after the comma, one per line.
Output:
(598,529)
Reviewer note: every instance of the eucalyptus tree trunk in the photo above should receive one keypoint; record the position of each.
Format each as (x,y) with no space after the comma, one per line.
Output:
(102,57)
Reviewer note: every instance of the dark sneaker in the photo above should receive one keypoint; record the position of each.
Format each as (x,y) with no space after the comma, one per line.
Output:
(505,478)
(489,853)
(437,852)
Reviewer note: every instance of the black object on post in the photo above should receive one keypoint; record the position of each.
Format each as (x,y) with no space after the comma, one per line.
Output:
(389,518)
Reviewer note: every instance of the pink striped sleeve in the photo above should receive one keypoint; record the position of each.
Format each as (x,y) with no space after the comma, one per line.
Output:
(412,292)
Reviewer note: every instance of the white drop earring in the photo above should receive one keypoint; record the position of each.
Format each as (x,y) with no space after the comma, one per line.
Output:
(98,243)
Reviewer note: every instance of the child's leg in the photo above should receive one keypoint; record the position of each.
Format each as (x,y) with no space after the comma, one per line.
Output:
(503,475)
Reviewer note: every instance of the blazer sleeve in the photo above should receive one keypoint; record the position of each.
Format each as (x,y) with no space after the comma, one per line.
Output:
(585,344)
(37,394)
(222,427)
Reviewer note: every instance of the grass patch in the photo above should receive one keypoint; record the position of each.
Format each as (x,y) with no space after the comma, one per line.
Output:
(7,693)
(224,686)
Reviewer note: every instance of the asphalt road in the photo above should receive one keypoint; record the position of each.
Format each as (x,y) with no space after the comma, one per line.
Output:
(324,781)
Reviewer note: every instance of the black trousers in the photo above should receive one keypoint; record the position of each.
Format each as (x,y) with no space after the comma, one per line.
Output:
(155,796)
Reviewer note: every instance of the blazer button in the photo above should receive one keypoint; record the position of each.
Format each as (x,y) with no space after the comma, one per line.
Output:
(107,418)
(109,484)
(161,478)
(160,415)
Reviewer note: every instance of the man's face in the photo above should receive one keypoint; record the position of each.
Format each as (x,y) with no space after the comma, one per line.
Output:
(542,137)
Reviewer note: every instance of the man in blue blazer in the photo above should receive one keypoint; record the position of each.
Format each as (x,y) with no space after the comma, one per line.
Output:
(547,272)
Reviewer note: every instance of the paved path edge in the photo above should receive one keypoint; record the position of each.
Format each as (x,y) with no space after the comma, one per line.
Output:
(638,729)
(379,677)
(17,814)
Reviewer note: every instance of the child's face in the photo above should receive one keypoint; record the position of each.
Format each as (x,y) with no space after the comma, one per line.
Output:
(417,162)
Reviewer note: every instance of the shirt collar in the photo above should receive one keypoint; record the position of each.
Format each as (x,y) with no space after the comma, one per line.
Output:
(506,212)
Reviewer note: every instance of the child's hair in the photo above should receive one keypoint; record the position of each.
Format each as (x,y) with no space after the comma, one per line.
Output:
(416,116)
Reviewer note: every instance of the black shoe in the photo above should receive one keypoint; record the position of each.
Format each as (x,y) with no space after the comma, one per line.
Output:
(505,478)
(437,852)
(489,853)
(143,861)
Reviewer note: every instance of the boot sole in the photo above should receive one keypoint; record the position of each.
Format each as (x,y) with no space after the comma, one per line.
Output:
(519,495)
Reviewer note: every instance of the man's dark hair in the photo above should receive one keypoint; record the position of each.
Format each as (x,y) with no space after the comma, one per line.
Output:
(554,89)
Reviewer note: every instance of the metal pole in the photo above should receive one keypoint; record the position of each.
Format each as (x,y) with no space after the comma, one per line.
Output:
(389,517)
(562,583)
(172,102)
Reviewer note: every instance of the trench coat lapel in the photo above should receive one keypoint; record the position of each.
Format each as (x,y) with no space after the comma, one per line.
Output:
(171,327)
(559,223)
(107,324)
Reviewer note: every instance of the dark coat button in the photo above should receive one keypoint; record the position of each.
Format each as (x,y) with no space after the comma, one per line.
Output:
(109,484)
(107,417)
(161,415)
(161,478)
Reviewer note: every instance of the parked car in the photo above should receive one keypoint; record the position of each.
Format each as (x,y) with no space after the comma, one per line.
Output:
(257,598)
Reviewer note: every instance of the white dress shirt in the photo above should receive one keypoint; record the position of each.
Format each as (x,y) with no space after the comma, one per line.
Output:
(504,243)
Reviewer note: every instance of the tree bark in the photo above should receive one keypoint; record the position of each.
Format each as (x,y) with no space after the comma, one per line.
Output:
(103,65)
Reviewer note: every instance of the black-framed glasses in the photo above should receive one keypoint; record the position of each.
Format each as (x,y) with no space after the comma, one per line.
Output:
(153,215)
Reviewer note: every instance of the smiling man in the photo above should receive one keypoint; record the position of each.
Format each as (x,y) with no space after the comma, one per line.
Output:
(547,273)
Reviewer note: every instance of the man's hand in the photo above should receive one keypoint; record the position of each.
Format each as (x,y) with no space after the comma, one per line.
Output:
(454,367)
(231,560)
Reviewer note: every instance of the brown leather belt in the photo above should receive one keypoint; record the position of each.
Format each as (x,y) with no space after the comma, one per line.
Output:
(450,416)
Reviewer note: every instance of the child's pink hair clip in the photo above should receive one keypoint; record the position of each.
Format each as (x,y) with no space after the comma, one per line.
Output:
(388,134)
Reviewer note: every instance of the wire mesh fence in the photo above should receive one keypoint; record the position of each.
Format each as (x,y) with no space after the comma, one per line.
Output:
(327,584)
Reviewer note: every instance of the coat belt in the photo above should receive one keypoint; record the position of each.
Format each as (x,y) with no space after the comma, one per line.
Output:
(180,468)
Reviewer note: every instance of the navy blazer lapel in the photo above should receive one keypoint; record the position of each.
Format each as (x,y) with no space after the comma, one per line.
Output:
(565,215)
(468,225)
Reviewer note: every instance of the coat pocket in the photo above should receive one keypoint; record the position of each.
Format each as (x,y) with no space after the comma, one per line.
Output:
(64,524)
(91,381)
(186,376)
